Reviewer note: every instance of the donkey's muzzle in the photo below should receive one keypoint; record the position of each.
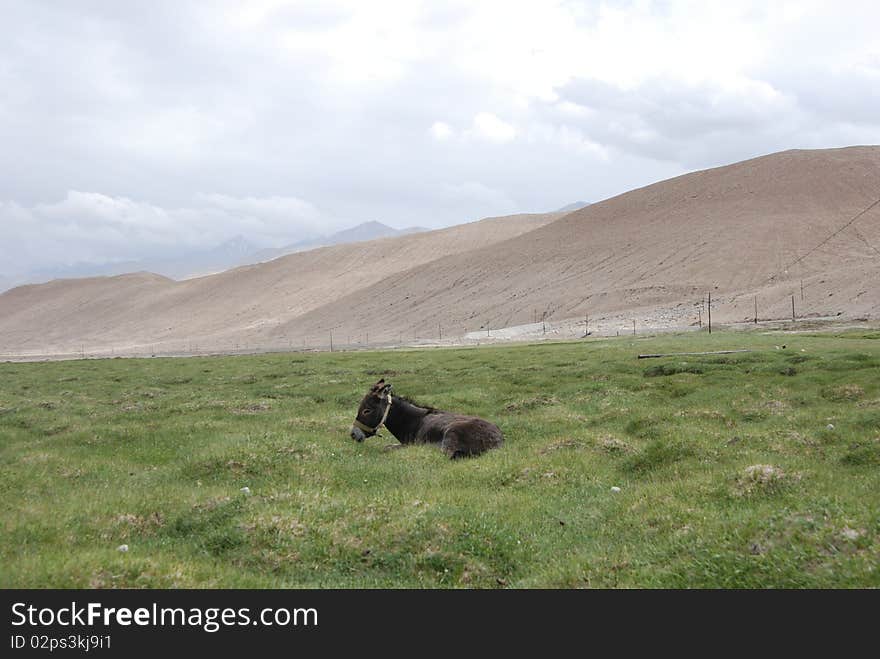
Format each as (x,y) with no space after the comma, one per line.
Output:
(357,434)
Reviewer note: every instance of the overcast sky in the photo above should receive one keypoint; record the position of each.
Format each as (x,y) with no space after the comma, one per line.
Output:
(129,128)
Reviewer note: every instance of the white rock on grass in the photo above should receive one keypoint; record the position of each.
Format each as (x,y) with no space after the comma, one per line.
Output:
(122,548)
(852,534)
(245,490)
(614,488)
(830,426)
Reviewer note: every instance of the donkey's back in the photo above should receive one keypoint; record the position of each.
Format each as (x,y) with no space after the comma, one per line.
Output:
(459,435)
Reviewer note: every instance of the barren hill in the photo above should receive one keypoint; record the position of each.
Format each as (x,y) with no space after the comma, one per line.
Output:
(224,310)
(755,228)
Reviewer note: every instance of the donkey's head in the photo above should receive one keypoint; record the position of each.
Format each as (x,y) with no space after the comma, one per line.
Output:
(372,412)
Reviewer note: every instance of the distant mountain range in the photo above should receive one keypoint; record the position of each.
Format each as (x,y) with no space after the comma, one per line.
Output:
(180,266)
(573,206)
(236,251)
(360,233)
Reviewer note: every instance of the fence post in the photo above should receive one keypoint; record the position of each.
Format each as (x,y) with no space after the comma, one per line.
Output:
(710,312)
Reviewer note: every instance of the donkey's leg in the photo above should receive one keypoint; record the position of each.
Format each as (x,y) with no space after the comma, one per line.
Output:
(470,437)
(451,445)
(457,442)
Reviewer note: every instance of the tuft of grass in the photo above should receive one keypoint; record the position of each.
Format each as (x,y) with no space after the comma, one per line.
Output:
(659,370)
(215,527)
(644,427)
(862,454)
(843,393)
(658,453)
(613,445)
(760,478)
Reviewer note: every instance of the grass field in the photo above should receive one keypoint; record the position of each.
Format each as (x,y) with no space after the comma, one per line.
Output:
(729,470)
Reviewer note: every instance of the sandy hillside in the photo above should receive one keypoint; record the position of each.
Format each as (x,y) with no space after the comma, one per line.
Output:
(227,309)
(752,228)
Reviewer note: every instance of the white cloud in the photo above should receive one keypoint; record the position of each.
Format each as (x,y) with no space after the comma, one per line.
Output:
(566,136)
(92,227)
(368,43)
(489,127)
(489,201)
(441,131)
(288,212)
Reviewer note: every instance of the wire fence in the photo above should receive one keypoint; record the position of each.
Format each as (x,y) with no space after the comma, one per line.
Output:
(763,311)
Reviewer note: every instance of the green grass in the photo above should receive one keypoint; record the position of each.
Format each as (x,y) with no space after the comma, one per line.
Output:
(153,454)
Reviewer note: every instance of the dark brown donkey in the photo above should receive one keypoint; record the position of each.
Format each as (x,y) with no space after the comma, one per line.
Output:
(458,436)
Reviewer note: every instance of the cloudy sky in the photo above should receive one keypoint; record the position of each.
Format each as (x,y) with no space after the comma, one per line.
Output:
(129,129)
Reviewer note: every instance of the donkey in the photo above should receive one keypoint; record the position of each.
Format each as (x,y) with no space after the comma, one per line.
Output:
(459,436)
